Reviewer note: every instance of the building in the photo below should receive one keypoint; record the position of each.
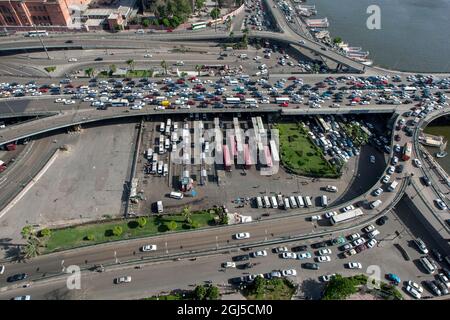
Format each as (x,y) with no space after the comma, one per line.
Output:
(38,12)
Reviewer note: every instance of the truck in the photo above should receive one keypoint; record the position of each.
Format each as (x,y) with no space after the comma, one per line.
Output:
(232,100)
(281,99)
(308,201)
(149,153)
(392,186)
(159,207)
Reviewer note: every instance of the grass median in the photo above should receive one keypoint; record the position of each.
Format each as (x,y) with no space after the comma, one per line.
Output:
(300,155)
(101,232)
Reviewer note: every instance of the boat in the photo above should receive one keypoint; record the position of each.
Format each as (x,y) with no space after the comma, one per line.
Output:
(441,154)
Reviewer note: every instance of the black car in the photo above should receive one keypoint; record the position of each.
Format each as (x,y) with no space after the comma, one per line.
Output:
(318,245)
(17,277)
(437,255)
(98,59)
(399,168)
(381,221)
(426,181)
(309,265)
(69,41)
(243,257)
(247,265)
(448,222)
(236,281)
(433,288)
(299,248)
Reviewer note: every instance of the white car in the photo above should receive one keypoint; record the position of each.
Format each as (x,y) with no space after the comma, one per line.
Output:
(2,269)
(354,236)
(229,265)
(73,59)
(327,277)
(441,204)
(347,246)
(304,255)
(242,235)
(59,100)
(289,255)
(323,259)
(260,253)
(348,208)
(372,159)
(377,192)
(369,228)
(324,252)
(69,102)
(390,170)
(289,273)
(412,291)
(359,241)
(27,297)
(415,286)
(281,249)
(354,265)
(147,55)
(372,243)
(149,247)
(328,215)
(386,178)
(125,279)
(315,218)
(417,163)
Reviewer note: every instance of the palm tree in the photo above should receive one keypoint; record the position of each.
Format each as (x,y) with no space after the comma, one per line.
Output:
(26,232)
(89,72)
(112,69)
(130,63)
(32,249)
(198,68)
(164,65)
(187,214)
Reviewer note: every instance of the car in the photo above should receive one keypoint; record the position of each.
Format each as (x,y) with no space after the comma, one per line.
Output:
(437,255)
(440,204)
(299,248)
(433,287)
(444,279)
(315,218)
(242,235)
(415,286)
(369,228)
(309,265)
(382,220)
(338,240)
(98,59)
(350,253)
(399,168)
(359,241)
(149,247)
(229,265)
(328,215)
(273,274)
(243,257)
(2,269)
(442,286)
(426,181)
(377,192)
(124,279)
(421,245)
(346,247)
(252,277)
(372,243)
(417,163)
(280,249)
(236,281)
(289,273)
(288,255)
(260,253)
(27,297)
(324,252)
(390,170)
(323,259)
(318,245)
(304,255)
(386,178)
(73,60)
(393,278)
(17,277)
(348,208)
(397,138)
(354,236)
(372,159)
(354,265)
(327,277)
(412,291)
(394,160)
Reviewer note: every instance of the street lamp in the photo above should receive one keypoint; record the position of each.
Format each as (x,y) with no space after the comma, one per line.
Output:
(42,42)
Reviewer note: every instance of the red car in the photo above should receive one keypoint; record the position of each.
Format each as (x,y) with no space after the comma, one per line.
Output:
(190,102)
(284,104)
(292,78)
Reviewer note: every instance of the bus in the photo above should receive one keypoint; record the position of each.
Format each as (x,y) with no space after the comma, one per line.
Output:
(308,201)
(37,33)
(259,202)
(274,202)
(281,99)
(346,216)
(215,22)
(119,103)
(407,149)
(300,202)
(324,201)
(266,202)
(232,100)
(198,25)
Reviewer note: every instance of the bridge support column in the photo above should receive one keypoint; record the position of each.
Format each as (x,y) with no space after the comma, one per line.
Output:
(338,67)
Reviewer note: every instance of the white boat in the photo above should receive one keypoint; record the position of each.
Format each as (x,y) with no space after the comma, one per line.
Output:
(441,154)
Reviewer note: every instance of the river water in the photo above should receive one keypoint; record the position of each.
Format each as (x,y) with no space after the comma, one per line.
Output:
(414,34)
(442,129)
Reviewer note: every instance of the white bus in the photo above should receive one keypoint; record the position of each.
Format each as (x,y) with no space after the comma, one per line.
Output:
(428,265)
(119,103)
(37,33)
(286,204)
(176,195)
(266,202)
(300,202)
(293,202)
(308,201)
(250,101)
(346,216)
(281,99)
(274,202)
(259,202)
(324,201)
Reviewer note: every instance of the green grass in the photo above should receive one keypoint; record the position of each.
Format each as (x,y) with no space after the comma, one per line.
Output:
(300,155)
(274,289)
(166,297)
(73,237)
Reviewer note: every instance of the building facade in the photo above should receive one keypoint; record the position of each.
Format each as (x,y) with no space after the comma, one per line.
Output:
(38,12)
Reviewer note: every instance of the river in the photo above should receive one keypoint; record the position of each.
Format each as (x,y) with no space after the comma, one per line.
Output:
(440,129)
(414,34)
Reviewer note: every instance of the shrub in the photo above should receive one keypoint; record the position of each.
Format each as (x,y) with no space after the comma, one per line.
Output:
(89,237)
(45,232)
(117,231)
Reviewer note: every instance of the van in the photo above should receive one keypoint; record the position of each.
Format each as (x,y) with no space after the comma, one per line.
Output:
(280,200)
(300,202)
(167,144)
(375,204)
(176,195)
(160,167)
(324,201)
(292,202)
(428,265)
(308,201)
(286,204)
(165,169)
(162,127)
(159,206)
(206,146)
(149,153)
(392,186)
(259,202)
(266,202)
(273,202)
(372,234)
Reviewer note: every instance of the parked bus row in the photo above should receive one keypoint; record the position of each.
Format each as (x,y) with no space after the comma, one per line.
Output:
(288,202)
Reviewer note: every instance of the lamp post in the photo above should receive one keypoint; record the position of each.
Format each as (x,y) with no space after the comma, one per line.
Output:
(42,43)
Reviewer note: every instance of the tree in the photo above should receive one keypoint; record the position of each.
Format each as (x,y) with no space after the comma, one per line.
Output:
(339,288)
(337,40)
(145,23)
(171,225)
(45,232)
(259,285)
(231,34)
(117,231)
(199,4)
(130,63)
(215,13)
(164,66)
(195,224)
(27,231)
(212,293)
(112,69)
(32,248)
(198,68)
(142,221)
(199,293)
(89,72)
(90,237)
(187,214)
